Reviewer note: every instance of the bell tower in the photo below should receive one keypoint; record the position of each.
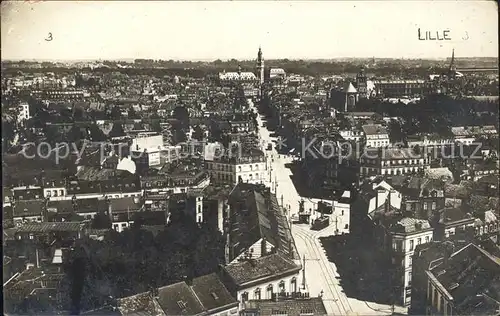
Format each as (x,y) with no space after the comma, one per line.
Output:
(260,66)
(361,83)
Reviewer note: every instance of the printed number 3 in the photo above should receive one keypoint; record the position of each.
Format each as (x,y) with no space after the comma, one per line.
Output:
(49,38)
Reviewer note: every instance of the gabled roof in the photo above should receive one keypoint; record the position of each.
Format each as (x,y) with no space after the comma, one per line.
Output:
(28,207)
(256,216)
(272,266)
(350,88)
(291,307)
(212,293)
(179,299)
(469,274)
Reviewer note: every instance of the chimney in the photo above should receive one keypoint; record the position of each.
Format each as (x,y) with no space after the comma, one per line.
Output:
(220,215)
(448,251)
(263,249)
(379,197)
(189,280)
(110,209)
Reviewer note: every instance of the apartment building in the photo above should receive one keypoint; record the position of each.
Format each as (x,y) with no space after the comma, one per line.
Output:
(248,166)
(376,136)
(392,161)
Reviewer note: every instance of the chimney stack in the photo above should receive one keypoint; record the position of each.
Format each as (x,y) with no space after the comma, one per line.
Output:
(263,249)
(448,251)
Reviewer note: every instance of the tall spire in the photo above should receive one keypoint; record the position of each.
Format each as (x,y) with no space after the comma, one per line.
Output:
(260,66)
(452,64)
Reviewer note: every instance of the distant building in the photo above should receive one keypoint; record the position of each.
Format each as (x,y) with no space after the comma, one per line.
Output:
(400,88)
(260,66)
(24,112)
(361,84)
(344,100)
(392,161)
(146,151)
(239,165)
(376,136)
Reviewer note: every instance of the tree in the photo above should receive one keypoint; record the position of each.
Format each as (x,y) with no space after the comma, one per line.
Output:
(197,133)
(115,113)
(96,134)
(117,130)
(101,221)
(182,115)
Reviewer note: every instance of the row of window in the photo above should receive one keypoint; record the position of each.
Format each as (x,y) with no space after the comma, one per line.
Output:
(224,167)
(229,177)
(54,193)
(412,206)
(269,291)
(398,245)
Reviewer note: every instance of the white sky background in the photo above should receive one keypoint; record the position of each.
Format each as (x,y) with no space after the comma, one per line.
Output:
(223,30)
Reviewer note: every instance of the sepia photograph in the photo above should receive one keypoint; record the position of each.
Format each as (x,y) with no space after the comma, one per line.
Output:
(250,158)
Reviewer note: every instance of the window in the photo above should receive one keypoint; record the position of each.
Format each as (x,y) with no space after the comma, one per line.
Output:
(411,245)
(244,296)
(409,278)
(426,239)
(409,261)
(282,286)
(425,206)
(433,206)
(269,292)
(293,285)
(419,241)
(257,294)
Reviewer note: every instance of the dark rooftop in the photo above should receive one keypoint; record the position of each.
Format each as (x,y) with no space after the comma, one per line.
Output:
(272,266)
(179,299)
(469,274)
(291,307)
(211,292)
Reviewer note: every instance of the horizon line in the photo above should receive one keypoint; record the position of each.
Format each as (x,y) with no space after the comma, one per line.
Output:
(226,60)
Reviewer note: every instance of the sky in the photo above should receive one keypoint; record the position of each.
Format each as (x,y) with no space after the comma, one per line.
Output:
(210,30)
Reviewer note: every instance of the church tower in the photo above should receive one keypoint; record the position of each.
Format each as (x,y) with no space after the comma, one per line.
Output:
(260,66)
(361,83)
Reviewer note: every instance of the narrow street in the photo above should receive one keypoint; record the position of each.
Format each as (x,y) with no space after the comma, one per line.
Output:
(321,276)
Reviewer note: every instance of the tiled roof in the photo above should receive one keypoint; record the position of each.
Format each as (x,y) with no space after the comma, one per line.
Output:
(125,204)
(211,292)
(291,307)
(140,304)
(451,215)
(82,205)
(374,129)
(49,227)
(411,225)
(350,88)
(28,207)
(179,299)
(257,216)
(468,273)
(272,266)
